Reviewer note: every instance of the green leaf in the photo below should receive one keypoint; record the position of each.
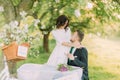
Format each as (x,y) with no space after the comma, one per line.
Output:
(16,2)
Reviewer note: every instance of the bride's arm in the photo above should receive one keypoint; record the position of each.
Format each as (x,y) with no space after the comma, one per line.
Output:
(71,44)
(68,44)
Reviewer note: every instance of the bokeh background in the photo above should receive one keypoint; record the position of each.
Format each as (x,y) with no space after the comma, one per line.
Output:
(98,19)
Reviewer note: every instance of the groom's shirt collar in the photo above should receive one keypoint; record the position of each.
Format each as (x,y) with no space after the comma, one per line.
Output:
(72,50)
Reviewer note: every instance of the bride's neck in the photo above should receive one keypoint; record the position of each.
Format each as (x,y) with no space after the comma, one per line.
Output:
(62,27)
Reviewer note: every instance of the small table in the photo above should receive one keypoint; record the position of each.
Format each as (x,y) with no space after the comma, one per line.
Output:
(46,72)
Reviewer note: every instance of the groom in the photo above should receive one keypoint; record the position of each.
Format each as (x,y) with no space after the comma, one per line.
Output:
(78,56)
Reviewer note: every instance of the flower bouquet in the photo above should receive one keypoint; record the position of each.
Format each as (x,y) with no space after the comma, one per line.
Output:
(64,67)
(15,39)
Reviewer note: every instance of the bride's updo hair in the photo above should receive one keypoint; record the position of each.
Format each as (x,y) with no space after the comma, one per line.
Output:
(61,21)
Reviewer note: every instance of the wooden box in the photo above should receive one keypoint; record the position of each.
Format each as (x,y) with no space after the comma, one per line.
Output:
(16,52)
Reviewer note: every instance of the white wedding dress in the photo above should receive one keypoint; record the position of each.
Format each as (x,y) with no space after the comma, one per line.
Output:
(58,56)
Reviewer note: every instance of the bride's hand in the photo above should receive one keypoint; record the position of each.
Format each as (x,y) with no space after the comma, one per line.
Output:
(65,43)
(70,56)
(68,44)
(72,45)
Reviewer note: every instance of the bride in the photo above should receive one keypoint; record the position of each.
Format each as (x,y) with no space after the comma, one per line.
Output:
(61,34)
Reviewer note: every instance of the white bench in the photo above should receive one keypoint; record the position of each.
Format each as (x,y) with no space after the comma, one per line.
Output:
(4,74)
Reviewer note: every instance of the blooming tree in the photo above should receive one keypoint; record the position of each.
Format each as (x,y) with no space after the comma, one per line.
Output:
(82,13)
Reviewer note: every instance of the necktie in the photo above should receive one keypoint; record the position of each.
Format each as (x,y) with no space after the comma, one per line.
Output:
(71,50)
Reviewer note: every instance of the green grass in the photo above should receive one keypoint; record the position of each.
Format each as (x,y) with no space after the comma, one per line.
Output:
(98,73)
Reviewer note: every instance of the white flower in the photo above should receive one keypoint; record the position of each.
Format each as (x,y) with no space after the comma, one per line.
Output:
(17,37)
(11,35)
(61,11)
(77,13)
(1,44)
(105,1)
(13,24)
(43,26)
(23,14)
(118,16)
(1,9)
(35,3)
(25,28)
(89,5)
(36,22)
(57,1)
(44,32)
(18,31)
(6,40)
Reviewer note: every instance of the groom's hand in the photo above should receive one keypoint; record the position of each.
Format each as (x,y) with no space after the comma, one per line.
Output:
(70,56)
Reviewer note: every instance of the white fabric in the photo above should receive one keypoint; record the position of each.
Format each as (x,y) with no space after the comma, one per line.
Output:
(72,76)
(45,72)
(58,55)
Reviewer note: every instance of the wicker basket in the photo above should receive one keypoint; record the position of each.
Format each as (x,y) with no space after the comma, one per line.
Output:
(11,51)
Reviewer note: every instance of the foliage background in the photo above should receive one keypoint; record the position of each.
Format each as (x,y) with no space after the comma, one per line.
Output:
(99,19)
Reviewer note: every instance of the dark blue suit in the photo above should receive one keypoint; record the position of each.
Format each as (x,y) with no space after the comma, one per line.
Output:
(81,61)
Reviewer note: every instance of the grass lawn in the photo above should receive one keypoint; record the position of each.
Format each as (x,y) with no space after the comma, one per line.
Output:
(104,61)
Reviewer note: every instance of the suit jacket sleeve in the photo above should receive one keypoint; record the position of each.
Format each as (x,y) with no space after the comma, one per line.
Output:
(83,61)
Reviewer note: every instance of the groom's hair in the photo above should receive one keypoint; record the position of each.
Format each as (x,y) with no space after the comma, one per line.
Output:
(80,35)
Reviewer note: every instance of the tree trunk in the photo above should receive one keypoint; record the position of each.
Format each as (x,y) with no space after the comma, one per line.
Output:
(46,42)
(12,65)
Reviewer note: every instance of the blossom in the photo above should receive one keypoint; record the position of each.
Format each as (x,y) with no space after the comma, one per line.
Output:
(36,22)
(12,35)
(1,9)
(23,14)
(1,44)
(35,3)
(13,24)
(45,32)
(89,5)
(43,26)
(57,1)
(118,16)
(105,1)
(61,11)
(26,27)
(77,13)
